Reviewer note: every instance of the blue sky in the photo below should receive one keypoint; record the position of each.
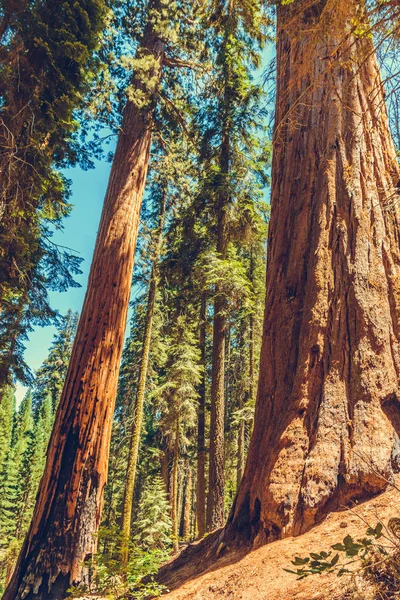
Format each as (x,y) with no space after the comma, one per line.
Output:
(80,229)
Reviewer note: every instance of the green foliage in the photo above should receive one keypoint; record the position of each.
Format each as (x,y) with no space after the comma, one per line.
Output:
(123,582)
(7,410)
(25,435)
(47,64)
(360,549)
(152,527)
(49,378)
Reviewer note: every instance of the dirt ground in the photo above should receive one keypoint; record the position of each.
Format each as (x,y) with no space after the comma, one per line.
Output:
(259,575)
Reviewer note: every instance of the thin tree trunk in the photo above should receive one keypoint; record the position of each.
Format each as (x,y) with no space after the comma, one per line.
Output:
(215,498)
(164,464)
(174,485)
(216,488)
(67,513)
(240,453)
(201,441)
(252,376)
(139,403)
(187,506)
(328,391)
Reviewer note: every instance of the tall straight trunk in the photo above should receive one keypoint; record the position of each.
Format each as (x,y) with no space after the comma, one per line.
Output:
(240,453)
(139,403)
(241,431)
(187,504)
(252,371)
(174,487)
(164,466)
(330,363)
(69,501)
(251,337)
(201,440)
(216,488)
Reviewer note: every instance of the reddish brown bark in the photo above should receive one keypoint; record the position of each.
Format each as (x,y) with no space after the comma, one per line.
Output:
(67,512)
(330,361)
(187,503)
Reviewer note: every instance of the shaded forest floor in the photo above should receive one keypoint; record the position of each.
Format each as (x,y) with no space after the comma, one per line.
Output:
(259,575)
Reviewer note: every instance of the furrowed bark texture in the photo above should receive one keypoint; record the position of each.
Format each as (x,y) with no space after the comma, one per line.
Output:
(67,513)
(328,391)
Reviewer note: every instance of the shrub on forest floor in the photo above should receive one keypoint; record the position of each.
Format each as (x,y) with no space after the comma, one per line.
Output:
(372,561)
(149,546)
(116,581)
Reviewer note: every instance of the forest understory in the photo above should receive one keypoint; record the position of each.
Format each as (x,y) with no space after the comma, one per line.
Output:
(260,574)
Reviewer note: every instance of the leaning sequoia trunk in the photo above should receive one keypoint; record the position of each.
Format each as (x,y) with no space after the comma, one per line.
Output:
(67,513)
(330,363)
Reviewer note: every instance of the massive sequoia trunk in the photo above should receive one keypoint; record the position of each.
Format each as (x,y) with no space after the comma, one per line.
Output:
(67,512)
(330,363)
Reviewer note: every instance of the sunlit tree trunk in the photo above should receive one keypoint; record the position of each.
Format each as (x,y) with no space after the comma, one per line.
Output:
(330,363)
(68,508)
(139,403)
(187,508)
(240,452)
(174,486)
(201,441)
(164,466)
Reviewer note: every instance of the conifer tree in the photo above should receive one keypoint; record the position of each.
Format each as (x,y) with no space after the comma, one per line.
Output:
(179,392)
(238,32)
(7,410)
(152,527)
(16,471)
(137,416)
(46,66)
(49,378)
(67,517)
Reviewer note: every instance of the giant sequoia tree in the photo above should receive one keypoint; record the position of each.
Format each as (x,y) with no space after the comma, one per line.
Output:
(328,391)
(67,512)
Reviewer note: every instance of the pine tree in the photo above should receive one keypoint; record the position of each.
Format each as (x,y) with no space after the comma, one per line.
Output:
(179,392)
(229,122)
(12,482)
(143,371)
(49,378)
(152,527)
(32,465)
(46,66)
(7,410)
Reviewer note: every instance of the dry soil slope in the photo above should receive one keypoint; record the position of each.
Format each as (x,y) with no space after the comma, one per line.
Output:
(260,576)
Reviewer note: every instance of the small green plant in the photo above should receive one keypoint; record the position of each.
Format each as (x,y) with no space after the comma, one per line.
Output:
(354,550)
(116,581)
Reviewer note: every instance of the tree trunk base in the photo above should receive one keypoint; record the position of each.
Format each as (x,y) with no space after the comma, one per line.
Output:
(58,589)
